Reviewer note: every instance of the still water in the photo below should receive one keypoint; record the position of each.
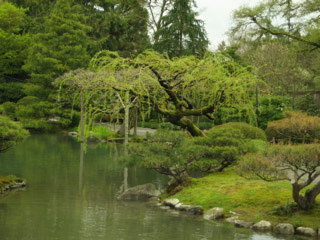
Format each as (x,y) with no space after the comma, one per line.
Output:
(68,197)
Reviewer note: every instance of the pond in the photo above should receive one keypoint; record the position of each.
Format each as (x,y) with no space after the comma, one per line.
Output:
(68,197)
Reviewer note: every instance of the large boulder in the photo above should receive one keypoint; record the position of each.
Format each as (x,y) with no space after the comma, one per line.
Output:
(214,213)
(305,231)
(140,192)
(262,226)
(284,228)
(195,210)
(232,219)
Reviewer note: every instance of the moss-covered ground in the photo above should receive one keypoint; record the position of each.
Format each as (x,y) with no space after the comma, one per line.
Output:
(8,181)
(254,200)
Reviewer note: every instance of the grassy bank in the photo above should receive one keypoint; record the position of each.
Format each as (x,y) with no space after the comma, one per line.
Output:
(10,182)
(253,200)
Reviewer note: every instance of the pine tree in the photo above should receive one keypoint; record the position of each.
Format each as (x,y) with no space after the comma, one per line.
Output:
(61,47)
(182,32)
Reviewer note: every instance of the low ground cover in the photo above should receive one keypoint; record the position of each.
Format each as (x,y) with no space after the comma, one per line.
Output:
(253,200)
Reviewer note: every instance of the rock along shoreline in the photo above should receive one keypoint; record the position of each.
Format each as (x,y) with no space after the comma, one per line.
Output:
(148,191)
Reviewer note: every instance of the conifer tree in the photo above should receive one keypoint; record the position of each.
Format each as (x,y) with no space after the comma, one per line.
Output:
(182,32)
(62,46)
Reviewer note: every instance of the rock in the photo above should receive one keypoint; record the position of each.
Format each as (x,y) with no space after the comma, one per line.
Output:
(214,213)
(232,219)
(242,224)
(18,185)
(73,134)
(195,210)
(164,207)
(284,228)
(182,207)
(171,202)
(306,231)
(140,192)
(262,226)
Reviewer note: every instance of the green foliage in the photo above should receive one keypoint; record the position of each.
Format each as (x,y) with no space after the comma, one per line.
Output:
(204,125)
(248,131)
(102,132)
(10,133)
(168,152)
(271,109)
(297,127)
(11,91)
(62,45)
(45,116)
(12,42)
(181,32)
(307,104)
(225,144)
(9,109)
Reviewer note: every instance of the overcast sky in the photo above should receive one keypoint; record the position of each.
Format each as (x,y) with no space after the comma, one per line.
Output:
(217,17)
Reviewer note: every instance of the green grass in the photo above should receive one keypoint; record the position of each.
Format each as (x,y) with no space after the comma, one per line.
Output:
(102,132)
(254,200)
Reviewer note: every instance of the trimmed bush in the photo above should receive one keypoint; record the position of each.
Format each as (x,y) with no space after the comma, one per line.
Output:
(248,131)
(225,144)
(297,127)
(10,133)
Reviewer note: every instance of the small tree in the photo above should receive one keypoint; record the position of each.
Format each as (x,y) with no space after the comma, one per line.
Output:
(298,164)
(86,89)
(167,152)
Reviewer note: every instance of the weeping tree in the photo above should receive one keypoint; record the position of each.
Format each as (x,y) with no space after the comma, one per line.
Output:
(122,82)
(86,89)
(180,88)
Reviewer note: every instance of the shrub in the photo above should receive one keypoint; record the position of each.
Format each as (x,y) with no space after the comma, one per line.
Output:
(169,126)
(102,132)
(299,164)
(297,127)
(248,131)
(271,108)
(205,125)
(167,152)
(225,144)
(10,133)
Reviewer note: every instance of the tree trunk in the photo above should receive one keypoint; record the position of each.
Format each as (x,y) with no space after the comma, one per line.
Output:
(135,121)
(126,119)
(308,200)
(82,118)
(191,127)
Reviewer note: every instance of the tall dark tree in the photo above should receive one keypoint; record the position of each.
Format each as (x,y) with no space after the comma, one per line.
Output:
(62,46)
(182,33)
(12,42)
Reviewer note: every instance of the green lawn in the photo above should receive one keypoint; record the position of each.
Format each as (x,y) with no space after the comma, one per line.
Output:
(254,200)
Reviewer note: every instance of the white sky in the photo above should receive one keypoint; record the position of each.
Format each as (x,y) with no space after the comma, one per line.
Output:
(217,15)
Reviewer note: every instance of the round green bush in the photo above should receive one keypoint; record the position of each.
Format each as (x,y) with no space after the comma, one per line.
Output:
(248,131)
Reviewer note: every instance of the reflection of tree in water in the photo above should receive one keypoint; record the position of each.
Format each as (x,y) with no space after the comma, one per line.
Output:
(81,167)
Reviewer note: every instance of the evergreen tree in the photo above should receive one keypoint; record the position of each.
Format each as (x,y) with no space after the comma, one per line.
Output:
(182,33)
(61,47)
(12,41)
